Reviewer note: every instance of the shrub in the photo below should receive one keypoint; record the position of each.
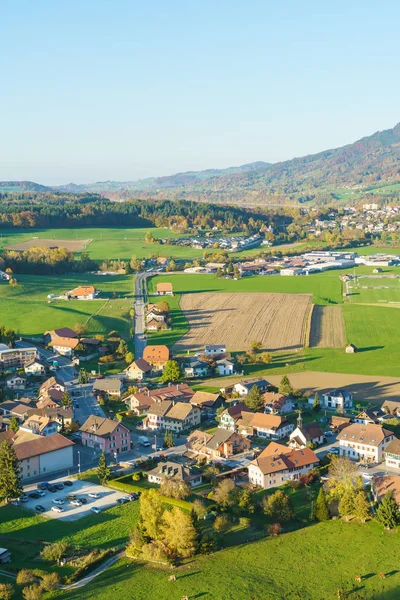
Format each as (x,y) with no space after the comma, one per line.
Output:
(32,592)
(55,552)
(222,524)
(274,529)
(244,522)
(208,544)
(6,591)
(50,581)
(25,576)
(137,476)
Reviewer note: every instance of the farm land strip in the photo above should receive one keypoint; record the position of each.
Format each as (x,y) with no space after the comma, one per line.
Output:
(327,327)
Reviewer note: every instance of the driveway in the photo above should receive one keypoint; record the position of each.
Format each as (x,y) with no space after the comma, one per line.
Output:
(107,499)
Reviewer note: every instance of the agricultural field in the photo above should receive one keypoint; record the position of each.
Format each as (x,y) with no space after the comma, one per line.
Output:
(27,309)
(327,327)
(374,290)
(71,245)
(278,321)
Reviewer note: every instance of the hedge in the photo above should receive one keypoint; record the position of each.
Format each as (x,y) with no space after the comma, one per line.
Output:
(121,485)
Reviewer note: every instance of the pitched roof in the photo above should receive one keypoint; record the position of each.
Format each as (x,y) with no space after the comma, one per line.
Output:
(274,399)
(156,353)
(235,411)
(37,422)
(107,384)
(173,469)
(266,421)
(373,413)
(220,437)
(180,411)
(250,383)
(35,361)
(311,430)
(160,408)
(198,439)
(391,405)
(83,290)
(394,447)
(164,287)
(385,484)
(204,398)
(139,365)
(100,426)
(293,459)
(63,332)
(38,444)
(371,435)
(49,383)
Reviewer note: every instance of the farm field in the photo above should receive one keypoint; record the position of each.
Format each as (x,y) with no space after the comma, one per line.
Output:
(71,245)
(327,327)
(374,290)
(179,323)
(266,569)
(26,309)
(278,321)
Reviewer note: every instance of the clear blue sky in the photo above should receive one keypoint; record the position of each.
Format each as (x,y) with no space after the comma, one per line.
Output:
(123,89)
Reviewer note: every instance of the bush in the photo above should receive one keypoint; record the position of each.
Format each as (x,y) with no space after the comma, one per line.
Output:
(91,560)
(137,476)
(208,544)
(6,591)
(244,522)
(25,576)
(50,581)
(32,592)
(222,524)
(55,552)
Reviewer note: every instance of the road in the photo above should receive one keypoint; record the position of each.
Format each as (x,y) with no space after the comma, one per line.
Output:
(140,301)
(67,371)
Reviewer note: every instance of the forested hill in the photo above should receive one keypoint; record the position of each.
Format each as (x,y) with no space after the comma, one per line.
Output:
(368,164)
(22,186)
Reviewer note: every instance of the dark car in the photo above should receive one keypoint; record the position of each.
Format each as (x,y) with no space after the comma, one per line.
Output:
(43,485)
(68,483)
(34,495)
(134,496)
(52,489)
(39,508)
(59,486)
(83,500)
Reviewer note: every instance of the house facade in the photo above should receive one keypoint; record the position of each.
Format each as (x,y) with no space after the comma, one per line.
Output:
(110,386)
(40,425)
(174,416)
(272,427)
(164,289)
(176,471)
(392,454)
(35,367)
(157,356)
(138,370)
(224,367)
(208,403)
(232,415)
(243,388)
(106,435)
(84,292)
(303,435)
(214,349)
(15,357)
(370,416)
(364,442)
(15,382)
(337,400)
(277,404)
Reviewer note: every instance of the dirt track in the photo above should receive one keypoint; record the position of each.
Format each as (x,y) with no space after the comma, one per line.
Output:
(71,245)
(276,320)
(327,327)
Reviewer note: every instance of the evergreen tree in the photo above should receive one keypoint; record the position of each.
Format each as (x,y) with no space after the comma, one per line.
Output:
(14,425)
(285,386)
(66,399)
(361,506)
(103,471)
(346,504)
(317,403)
(255,400)
(10,473)
(388,512)
(321,511)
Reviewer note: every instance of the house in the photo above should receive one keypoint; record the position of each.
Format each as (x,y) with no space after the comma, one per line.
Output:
(141,401)
(351,349)
(106,435)
(157,356)
(63,340)
(213,267)
(224,367)
(244,387)
(91,344)
(303,435)
(84,292)
(40,455)
(339,399)
(62,415)
(174,416)
(208,403)
(380,486)
(40,425)
(138,370)
(17,409)
(364,442)
(196,368)
(370,415)
(108,386)
(15,357)
(390,407)
(277,404)
(153,325)
(156,315)
(221,444)
(263,425)
(392,454)
(50,393)
(214,349)
(232,415)
(164,289)
(337,422)
(176,471)
(278,464)
(51,384)
(35,367)
(15,382)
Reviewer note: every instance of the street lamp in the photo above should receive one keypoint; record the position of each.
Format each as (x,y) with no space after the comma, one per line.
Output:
(79,462)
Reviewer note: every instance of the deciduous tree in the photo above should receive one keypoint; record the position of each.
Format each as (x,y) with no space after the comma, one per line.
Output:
(171,371)
(178,532)
(151,512)
(278,507)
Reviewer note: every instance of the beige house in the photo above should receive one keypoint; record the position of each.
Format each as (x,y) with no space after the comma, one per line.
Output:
(364,442)
(164,289)
(176,471)
(392,454)
(35,367)
(303,435)
(156,356)
(138,370)
(174,416)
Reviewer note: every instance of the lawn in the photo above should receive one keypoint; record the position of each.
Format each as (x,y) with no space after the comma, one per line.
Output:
(27,309)
(179,323)
(375,290)
(311,563)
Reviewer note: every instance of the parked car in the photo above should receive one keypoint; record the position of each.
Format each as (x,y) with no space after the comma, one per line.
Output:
(123,500)
(39,508)
(58,501)
(41,493)
(71,497)
(96,510)
(94,495)
(24,498)
(59,486)
(43,485)
(57,509)
(34,495)
(83,500)
(334,451)
(52,489)
(16,503)
(76,502)
(68,483)
(367,475)
(134,495)
(328,433)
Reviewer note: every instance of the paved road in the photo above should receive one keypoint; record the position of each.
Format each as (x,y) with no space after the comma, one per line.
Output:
(67,371)
(140,301)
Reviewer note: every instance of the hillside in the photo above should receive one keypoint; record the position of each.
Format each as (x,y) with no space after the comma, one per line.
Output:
(370,165)
(22,186)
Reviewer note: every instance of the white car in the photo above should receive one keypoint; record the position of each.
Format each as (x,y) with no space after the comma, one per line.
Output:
(94,495)
(76,502)
(333,451)
(96,510)
(41,493)
(58,501)
(367,476)
(57,509)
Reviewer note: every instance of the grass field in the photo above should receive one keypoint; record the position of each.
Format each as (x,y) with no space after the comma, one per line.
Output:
(26,307)
(179,323)
(368,290)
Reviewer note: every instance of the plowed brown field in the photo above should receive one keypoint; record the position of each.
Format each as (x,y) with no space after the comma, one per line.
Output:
(71,245)
(278,321)
(327,327)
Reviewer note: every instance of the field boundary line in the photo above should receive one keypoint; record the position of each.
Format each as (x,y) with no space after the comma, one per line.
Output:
(97,311)
(307,333)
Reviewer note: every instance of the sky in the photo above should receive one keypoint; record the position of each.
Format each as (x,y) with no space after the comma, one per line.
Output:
(94,90)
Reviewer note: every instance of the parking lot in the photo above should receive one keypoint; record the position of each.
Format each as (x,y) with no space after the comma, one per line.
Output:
(81,489)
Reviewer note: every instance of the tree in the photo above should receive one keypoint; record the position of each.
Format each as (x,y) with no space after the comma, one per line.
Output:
(25,576)
(255,401)
(80,329)
(222,524)
(173,487)
(103,471)
(246,501)
(50,581)
(136,542)
(32,592)
(83,377)
(6,591)
(388,512)
(285,386)
(266,358)
(171,371)
(66,399)
(278,507)
(316,403)
(14,425)
(255,346)
(129,358)
(199,508)
(342,475)
(241,358)
(361,506)
(10,473)
(225,493)
(151,512)
(169,439)
(122,349)
(321,510)
(149,238)
(346,504)
(179,533)
(55,552)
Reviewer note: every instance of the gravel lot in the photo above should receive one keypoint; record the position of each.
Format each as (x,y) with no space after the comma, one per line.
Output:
(107,499)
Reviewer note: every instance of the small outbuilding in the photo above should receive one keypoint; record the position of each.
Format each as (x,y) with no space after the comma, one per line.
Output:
(351,349)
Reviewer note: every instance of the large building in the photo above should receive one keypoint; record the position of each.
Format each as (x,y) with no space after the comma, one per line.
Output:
(15,357)
(106,435)
(364,442)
